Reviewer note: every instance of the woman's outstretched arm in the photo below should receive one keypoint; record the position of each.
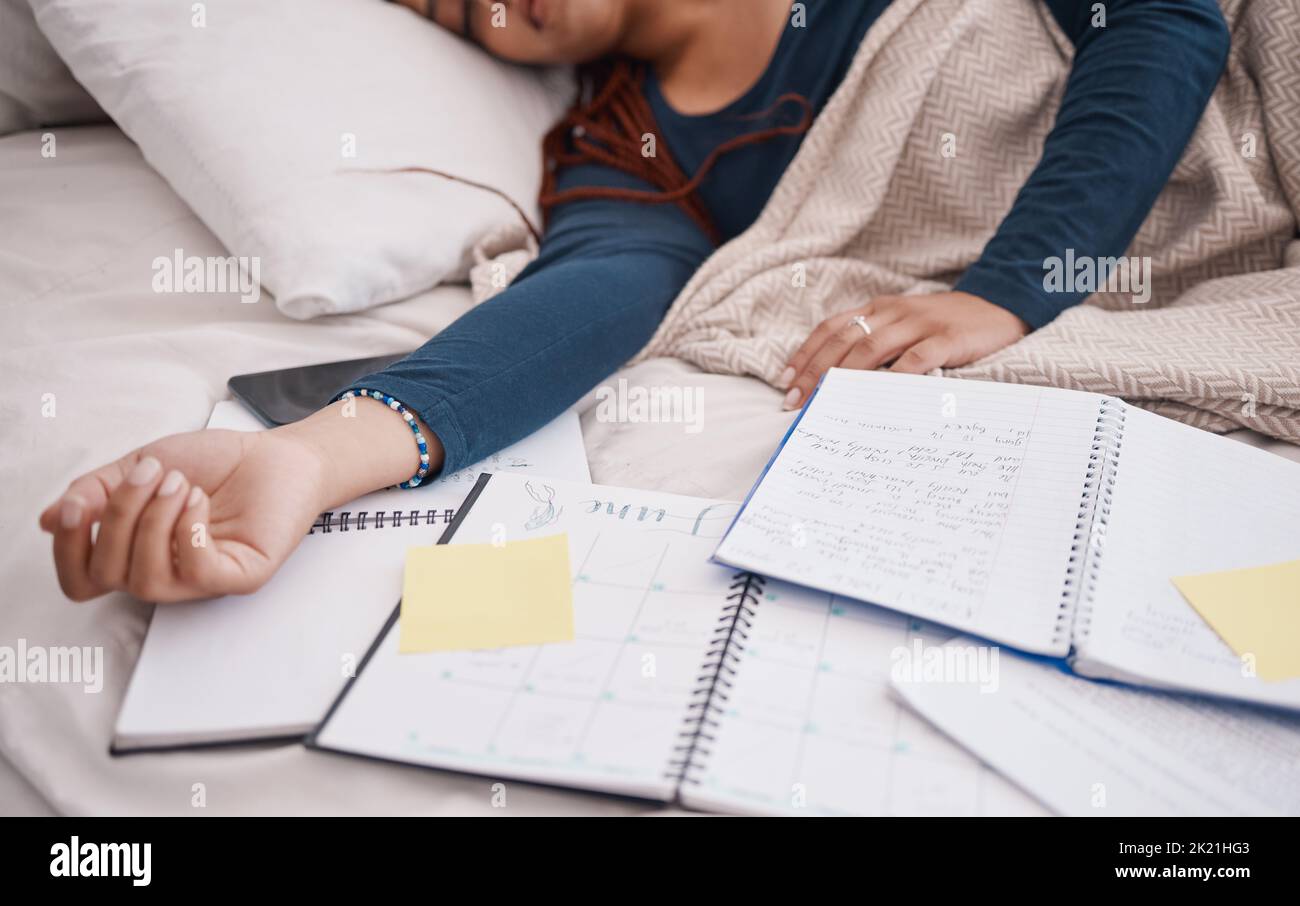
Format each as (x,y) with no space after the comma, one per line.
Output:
(607,272)
(216,512)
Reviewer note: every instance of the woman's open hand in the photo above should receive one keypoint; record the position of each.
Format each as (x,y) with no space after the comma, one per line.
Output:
(916,333)
(188,516)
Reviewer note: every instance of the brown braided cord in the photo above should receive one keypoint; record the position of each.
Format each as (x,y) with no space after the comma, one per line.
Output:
(609,130)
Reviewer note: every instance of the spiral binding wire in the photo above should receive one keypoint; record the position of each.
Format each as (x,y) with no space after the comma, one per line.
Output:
(1074,617)
(348,521)
(715,680)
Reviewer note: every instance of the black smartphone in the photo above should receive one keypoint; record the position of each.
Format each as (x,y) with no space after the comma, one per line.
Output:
(284,396)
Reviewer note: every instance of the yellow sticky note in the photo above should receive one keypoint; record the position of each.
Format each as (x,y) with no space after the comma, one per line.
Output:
(462,597)
(1256,611)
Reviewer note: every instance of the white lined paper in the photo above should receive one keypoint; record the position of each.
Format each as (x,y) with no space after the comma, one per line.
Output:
(1185,502)
(956,501)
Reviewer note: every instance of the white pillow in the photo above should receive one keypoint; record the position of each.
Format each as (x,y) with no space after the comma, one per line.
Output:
(36,89)
(249,109)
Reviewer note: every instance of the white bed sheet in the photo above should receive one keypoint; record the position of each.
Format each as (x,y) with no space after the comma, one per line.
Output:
(78,234)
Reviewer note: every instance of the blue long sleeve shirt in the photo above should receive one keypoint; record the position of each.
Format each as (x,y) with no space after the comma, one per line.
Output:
(608,270)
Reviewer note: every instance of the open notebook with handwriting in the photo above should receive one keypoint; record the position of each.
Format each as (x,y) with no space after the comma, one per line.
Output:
(1045,519)
(685,681)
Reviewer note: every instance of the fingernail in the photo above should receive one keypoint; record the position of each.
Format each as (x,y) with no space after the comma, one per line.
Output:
(196,494)
(786,377)
(792,398)
(171,484)
(144,472)
(70,512)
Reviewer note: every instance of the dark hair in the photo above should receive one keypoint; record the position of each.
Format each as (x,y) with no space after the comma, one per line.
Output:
(606,124)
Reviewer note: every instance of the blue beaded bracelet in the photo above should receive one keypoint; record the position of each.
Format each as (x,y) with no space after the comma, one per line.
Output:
(411,423)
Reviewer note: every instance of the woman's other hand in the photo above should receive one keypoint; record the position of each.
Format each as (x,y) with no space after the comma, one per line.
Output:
(915,333)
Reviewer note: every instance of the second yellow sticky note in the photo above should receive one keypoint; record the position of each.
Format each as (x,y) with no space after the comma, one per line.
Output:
(1256,611)
(462,597)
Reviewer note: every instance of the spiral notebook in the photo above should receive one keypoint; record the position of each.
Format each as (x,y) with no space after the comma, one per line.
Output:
(686,681)
(267,665)
(1048,520)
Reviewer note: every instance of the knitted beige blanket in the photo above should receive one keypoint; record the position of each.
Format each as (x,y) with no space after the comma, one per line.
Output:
(919,155)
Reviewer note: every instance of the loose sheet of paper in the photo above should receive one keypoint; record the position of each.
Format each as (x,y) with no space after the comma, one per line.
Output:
(955,501)
(467,597)
(1256,611)
(1089,748)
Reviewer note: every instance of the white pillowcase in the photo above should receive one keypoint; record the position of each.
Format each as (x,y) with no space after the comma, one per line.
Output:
(266,116)
(36,89)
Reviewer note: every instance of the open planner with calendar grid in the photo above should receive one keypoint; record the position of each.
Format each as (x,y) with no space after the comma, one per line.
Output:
(1044,519)
(686,680)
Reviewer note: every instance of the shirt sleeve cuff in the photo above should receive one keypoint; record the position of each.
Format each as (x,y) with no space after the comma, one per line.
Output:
(436,415)
(1024,299)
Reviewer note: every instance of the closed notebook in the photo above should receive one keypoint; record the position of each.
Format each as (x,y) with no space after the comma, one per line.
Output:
(267,665)
(1048,520)
(685,681)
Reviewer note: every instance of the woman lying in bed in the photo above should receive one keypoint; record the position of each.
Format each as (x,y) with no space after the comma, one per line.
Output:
(727,88)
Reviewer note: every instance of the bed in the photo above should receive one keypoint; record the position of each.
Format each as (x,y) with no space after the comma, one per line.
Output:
(96,363)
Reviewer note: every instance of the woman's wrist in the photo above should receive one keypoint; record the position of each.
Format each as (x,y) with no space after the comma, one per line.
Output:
(361,445)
